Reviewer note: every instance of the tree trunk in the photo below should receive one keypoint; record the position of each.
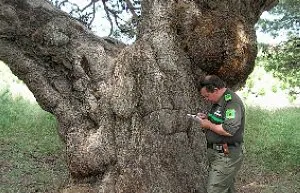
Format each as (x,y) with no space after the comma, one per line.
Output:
(122,108)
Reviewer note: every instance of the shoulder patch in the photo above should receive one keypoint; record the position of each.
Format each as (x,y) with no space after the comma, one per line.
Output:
(227,97)
(230,114)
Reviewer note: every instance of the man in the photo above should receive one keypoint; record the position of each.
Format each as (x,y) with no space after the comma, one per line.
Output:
(224,128)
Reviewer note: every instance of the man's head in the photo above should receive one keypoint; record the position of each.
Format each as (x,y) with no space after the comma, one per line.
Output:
(212,88)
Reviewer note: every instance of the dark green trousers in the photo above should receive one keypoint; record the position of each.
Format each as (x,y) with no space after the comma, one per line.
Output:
(223,169)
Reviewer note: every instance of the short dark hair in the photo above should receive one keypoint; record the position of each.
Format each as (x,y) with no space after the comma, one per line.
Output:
(211,82)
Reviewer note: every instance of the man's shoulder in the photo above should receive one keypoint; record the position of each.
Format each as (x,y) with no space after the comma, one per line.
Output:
(231,97)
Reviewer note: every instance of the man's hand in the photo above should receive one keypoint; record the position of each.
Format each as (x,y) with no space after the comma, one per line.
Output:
(205,123)
(202,115)
(195,118)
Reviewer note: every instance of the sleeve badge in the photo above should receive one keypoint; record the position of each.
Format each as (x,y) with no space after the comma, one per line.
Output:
(230,114)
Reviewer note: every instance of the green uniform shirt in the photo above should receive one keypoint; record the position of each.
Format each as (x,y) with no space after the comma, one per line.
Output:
(230,112)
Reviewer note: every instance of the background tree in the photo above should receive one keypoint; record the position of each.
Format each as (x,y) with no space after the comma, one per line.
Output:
(122,109)
(115,12)
(283,60)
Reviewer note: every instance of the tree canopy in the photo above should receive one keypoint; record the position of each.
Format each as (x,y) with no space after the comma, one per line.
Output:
(285,16)
(283,60)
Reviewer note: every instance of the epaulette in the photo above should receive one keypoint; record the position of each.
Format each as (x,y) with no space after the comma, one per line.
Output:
(227,97)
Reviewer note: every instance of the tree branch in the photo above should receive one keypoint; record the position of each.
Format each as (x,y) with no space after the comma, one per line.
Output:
(132,9)
(106,9)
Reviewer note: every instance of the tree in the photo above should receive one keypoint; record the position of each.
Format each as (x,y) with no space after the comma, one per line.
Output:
(122,108)
(286,16)
(283,59)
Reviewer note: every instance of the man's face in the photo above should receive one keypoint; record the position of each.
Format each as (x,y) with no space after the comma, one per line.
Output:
(210,96)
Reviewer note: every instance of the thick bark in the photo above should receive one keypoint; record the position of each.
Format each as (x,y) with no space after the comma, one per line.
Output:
(121,109)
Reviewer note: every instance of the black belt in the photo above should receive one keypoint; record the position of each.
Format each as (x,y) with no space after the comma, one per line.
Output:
(212,145)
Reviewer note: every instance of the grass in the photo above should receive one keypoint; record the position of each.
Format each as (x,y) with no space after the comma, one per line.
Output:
(272,138)
(32,154)
(31,151)
(272,163)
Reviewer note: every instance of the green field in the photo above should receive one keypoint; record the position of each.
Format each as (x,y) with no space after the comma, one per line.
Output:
(31,152)
(272,163)
(32,157)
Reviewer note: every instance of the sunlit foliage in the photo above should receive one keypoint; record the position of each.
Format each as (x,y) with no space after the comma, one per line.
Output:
(283,59)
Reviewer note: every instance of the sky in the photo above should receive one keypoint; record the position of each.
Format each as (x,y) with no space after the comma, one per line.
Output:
(100,25)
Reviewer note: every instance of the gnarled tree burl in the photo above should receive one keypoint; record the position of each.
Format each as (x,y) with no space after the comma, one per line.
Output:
(121,108)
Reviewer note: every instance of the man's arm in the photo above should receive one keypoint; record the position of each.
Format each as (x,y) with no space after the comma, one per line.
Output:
(218,129)
(233,117)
